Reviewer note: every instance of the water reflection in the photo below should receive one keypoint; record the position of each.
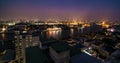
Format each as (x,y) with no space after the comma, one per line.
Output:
(51,33)
(3,36)
(71,32)
(56,34)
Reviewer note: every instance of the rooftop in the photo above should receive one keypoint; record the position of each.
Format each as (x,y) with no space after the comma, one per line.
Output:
(84,58)
(60,46)
(36,55)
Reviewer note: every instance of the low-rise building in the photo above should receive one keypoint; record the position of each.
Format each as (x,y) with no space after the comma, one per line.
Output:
(60,52)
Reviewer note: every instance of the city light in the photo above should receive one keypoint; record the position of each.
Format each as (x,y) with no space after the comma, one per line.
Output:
(53,29)
(112,30)
(86,25)
(105,25)
(59,31)
(3,29)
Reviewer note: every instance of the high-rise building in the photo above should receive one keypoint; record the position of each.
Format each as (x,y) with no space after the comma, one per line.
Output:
(22,41)
(19,49)
(31,40)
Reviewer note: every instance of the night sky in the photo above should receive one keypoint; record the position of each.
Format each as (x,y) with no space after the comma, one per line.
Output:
(60,7)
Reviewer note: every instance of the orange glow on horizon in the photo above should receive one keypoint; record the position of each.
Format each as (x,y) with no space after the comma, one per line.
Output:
(105,25)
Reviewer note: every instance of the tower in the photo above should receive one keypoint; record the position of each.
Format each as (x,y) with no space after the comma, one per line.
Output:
(19,48)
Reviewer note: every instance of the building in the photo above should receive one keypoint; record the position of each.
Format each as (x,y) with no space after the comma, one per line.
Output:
(60,52)
(44,44)
(22,41)
(19,49)
(87,43)
(31,40)
(94,28)
(114,57)
(36,55)
(84,58)
(8,56)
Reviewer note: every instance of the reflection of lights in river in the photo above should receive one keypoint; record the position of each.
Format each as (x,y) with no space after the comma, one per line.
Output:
(53,33)
(3,35)
(71,30)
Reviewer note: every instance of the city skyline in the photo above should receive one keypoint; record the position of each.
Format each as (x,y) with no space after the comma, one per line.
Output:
(59,31)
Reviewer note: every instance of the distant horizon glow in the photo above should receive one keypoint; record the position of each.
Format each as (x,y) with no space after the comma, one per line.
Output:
(81,9)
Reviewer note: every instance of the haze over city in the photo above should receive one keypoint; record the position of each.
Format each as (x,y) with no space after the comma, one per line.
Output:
(81,9)
(59,31)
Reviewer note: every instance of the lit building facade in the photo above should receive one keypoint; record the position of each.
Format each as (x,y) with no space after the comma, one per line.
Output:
(19,49)
(21,43)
